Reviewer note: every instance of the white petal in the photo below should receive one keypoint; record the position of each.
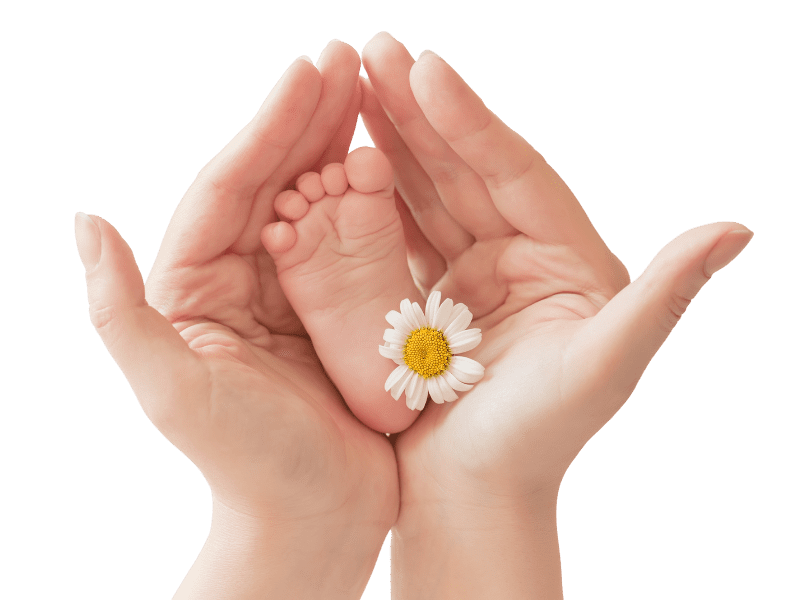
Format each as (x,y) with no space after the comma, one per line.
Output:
(458,322)
(464,341)
(411,389)
(400,360)
(398,387)
(421,394)
(389,352)
(397,321)
(465,369)
(407,319)
(435,390)
(408,314)
(432,306)
(457,310)
(443,314)
(394,337)
(447,392)
(419,315)
(395,376)
(407,311)
(455,383)
(460,317)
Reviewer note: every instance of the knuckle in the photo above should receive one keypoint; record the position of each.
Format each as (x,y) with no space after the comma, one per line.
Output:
(445,175)
(102,316)
(212,181)
(218,187)
(675,308)
(503,179)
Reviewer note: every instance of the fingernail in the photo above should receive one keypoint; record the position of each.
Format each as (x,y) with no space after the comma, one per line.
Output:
(424,52)
(87,237)
(305,58)
(727,249)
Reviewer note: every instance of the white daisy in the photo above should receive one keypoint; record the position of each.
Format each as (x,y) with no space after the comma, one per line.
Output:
(424,346)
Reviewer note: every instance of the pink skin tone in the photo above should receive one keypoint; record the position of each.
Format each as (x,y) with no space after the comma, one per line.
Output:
(566,335)
(223,365)
(304,493)
(340,259)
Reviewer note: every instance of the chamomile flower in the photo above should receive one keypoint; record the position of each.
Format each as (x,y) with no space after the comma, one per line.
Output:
(425,345)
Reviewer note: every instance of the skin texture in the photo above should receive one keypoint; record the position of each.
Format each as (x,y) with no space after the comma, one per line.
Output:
(304,493)
(566,335)
(341,261)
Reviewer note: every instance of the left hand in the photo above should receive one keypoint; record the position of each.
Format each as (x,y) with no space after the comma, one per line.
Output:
(489,223)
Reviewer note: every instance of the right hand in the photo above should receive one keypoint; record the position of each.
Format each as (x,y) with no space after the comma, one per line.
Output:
(216,356)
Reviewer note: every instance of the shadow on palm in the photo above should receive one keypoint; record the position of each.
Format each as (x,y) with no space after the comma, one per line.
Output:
(566,335)
(252,406)
(530,306)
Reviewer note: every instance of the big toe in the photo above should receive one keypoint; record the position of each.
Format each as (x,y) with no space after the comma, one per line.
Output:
(368,171)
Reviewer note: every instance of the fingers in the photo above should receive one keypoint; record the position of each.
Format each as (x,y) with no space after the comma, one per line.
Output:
(337,151)
(338,65)
(426,265)
(528,193)
(334,116)
(443,232)
(459,187)
(155,359)
(624,336)
(426,260)
(215,210)
(327,137)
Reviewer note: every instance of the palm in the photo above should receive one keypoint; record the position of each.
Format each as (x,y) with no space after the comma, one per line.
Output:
(528,322)
(283,426)
(267,428)
(491,225)
(566,336)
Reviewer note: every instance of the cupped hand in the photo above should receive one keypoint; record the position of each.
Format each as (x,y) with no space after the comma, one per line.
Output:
(566,335)
(212,349)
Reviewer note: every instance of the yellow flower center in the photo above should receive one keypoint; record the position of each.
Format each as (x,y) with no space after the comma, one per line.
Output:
(427,352)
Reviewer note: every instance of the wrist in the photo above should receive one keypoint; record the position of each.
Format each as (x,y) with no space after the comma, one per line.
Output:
(487,546)
(248,557)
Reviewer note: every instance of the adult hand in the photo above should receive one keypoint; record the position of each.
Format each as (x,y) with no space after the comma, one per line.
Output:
(304,494)
(566,336)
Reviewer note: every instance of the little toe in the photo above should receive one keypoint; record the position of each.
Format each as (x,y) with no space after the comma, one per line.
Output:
(310,185)
(291,205)
(369,171)
(278,237)
(334,179)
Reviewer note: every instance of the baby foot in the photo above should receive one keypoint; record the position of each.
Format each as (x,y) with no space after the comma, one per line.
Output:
(341,261)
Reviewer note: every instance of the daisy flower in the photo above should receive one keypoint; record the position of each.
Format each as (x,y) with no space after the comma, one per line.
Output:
(424,346)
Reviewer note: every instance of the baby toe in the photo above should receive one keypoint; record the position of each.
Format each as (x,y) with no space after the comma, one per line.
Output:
(334,179)
(291,205)
(278,237)
(368,170)
(310,185)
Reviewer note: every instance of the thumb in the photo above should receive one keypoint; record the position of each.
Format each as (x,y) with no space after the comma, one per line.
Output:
(149,351)
(624,336)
